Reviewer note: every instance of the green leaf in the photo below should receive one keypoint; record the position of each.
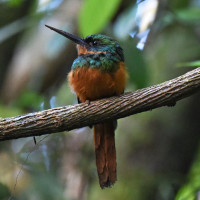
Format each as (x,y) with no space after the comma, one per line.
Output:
(177,4)
(189,64)
(4,191)
(29,99)
(190,15)
(95,15)
(15,3)
(137,70)
(8,111)
(190,190)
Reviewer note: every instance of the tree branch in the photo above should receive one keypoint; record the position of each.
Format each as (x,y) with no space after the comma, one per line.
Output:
(75,116)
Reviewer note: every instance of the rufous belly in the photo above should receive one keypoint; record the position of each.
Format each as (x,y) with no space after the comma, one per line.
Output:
(92,83)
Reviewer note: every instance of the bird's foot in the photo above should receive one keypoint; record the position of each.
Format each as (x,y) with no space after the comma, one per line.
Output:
(88,102)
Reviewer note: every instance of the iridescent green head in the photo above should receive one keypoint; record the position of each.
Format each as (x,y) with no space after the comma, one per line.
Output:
(103,43)
(94,44)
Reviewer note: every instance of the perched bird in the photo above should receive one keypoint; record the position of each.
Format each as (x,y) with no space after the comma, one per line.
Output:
(99,71)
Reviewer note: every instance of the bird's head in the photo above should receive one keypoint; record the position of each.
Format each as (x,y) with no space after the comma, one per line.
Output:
(94,44)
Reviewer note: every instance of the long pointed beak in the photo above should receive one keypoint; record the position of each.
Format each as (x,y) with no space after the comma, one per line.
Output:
(70,36)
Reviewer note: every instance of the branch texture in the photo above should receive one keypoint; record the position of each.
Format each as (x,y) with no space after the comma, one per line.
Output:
(75,116)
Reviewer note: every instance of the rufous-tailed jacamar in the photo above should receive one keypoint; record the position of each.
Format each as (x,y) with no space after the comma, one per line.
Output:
(99,72)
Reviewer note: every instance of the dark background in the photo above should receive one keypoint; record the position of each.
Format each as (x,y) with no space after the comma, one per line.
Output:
(158,152)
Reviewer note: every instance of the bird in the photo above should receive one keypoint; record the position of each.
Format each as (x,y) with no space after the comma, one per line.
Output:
(99,72)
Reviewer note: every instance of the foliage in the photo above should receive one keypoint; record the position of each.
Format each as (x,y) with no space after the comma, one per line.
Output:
(191,189)
(189,64)
(4,192)
(155,150)
(95,15)
(191,15)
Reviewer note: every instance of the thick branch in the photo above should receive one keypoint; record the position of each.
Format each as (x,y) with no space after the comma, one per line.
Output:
(75,116)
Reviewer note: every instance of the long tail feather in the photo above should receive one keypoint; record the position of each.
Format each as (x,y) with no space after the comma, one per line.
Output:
(104,141)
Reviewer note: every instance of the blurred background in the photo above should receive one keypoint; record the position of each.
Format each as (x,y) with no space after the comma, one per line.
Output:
(158,152)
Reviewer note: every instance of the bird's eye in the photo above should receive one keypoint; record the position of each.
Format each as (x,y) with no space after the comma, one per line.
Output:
(93,43)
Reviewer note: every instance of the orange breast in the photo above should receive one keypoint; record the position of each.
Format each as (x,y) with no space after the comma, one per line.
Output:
(92,83)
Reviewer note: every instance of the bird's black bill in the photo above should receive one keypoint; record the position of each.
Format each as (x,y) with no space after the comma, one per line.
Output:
(70,36)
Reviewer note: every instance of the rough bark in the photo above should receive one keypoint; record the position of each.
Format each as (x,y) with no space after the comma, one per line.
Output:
(75,116)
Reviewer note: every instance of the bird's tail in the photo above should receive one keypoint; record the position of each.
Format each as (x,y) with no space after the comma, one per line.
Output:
(104,141)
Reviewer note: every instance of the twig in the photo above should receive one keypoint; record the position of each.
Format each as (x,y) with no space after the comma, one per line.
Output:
(75,116)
